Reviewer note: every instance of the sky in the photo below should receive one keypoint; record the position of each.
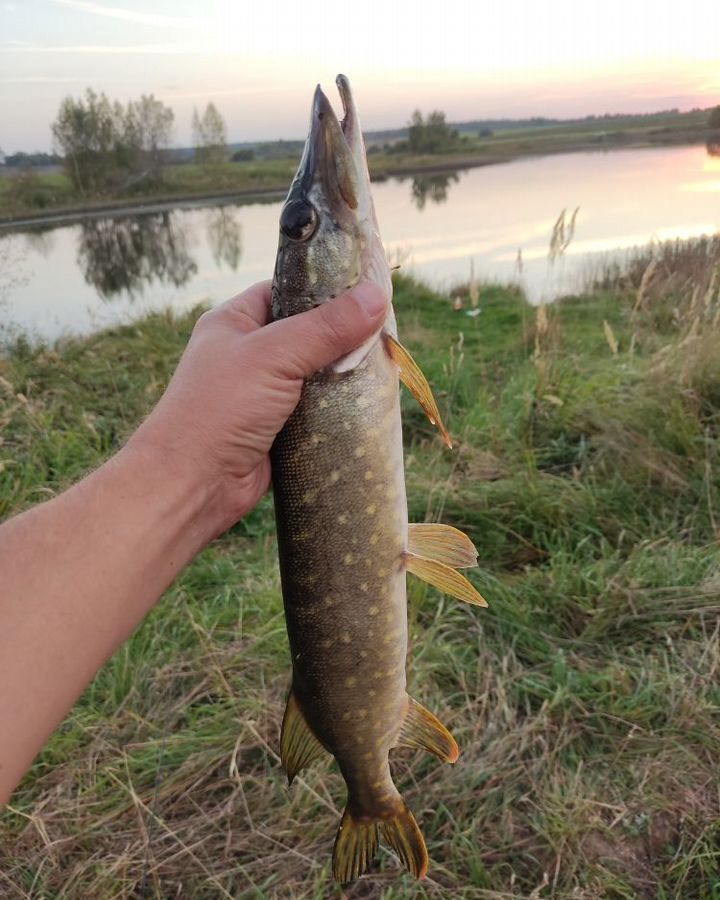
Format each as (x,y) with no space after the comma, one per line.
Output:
(259,61)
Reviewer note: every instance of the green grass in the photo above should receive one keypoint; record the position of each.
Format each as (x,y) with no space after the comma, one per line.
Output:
(586,699)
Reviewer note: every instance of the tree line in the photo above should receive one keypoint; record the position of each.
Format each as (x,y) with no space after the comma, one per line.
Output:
(108,147)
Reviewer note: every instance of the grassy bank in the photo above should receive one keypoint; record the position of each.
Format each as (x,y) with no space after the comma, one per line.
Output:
(586,699)
(30,195)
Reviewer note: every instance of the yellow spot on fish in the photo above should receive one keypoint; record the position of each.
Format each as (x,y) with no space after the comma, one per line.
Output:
(350,681)
(359,451)
(346,425)
(372,692)
(373,610)
(361,713)
(335,476)
(392,493)
(327,644)
(363,654)
(369,475)
(348,559)
(382,572)
(371,632)
(345,637)
(309,497)
(368,755)
(374,538)
(364,587)
(329,601)
(371,509)
(342,519)
(377,675)
(362,401)
(347,715)
(316,439)
(323,404)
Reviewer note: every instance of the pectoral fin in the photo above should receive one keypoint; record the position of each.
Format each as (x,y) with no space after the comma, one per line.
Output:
(422,729)
(443,543)
(416,383)
(298,745)
(444,578)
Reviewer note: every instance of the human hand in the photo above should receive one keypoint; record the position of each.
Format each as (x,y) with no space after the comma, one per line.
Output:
(238,381)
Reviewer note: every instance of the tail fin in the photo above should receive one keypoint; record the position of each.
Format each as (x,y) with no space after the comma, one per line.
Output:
(357,841)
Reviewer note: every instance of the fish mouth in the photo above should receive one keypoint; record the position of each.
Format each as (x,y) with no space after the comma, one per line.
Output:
(330,150)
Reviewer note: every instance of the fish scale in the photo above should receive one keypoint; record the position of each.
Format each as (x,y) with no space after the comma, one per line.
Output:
(344,542)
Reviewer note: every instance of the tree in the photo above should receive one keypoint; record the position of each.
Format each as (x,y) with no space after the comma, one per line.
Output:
(714,118)
(431,135)
(89,134)
(148,128)
(107,146)
(209,136)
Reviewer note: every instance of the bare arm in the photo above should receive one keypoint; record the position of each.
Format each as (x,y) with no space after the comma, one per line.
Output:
(79,573)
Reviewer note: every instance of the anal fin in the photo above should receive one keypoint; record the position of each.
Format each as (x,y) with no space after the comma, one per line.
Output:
(443,543)
(414,380)
(444,578)
(298,745)
(421,729)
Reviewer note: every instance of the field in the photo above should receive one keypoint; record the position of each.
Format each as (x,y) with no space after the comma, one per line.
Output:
(34,195)
(586,699)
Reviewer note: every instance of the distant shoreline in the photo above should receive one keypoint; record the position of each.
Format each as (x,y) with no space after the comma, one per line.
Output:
(73,214)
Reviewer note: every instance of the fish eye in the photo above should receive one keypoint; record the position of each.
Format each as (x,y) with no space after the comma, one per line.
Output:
(298,220)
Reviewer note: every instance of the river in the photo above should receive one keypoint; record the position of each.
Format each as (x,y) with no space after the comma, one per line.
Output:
(498,219)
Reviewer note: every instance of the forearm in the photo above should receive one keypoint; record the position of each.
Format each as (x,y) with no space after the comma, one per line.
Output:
(77,575)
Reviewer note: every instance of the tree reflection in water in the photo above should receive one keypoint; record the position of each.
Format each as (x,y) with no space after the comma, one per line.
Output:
(118,255)
(713,147)
(224,236)
(432,187)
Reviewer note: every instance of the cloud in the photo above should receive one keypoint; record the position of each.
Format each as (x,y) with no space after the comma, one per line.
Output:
(41,79)
(22,47)
(130,15)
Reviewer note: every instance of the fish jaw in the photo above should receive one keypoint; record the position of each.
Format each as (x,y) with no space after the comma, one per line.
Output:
(329,239)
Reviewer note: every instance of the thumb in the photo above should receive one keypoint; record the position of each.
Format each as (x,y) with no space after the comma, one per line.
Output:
(304,343)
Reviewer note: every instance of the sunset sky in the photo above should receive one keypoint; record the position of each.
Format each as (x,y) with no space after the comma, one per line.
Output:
(260,61)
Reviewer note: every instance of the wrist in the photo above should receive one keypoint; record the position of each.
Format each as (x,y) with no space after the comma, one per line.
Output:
(185,497)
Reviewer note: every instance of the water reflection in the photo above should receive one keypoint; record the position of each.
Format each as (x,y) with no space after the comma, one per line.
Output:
(432,187)
(224,236)
(40,240)
(118,255)
(713,147)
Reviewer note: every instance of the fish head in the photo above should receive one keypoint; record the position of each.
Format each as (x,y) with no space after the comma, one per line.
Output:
(329,238)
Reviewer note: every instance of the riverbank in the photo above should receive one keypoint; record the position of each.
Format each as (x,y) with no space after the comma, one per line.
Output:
(48,198)
(584,699)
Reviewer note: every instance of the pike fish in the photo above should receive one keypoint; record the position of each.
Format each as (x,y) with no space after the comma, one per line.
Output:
(344,541)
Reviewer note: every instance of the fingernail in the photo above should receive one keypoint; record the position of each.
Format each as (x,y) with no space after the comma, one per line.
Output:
(370,297)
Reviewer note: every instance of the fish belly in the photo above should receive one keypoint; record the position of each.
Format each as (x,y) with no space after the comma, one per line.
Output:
(342,531)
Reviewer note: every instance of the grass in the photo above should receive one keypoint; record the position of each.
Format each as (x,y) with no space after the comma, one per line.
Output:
(586,699)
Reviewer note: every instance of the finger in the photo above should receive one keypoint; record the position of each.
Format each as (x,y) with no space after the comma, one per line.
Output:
(251,308)
(304,343)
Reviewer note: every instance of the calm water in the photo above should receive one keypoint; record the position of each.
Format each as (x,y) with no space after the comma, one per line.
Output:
(77,278)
